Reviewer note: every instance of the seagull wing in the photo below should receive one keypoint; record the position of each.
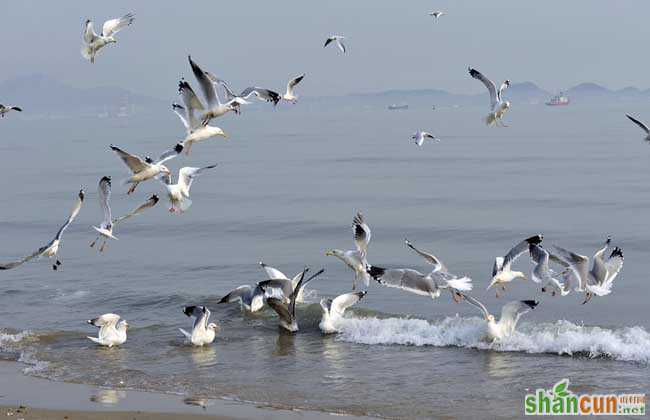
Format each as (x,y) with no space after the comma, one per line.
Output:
(205,84)
(362,233)
(578,264)
(17,263)
(512,311)
(280,309)
(328,41)
(170,154)
(73,214)
(342,302)
(261,93)
(489,84)
(89,35)
(135,163)
(639,123)
(104,194)
(341,45)
(429,258)
(519,249)
(293,82)
(152,201)
(472,301)
(105,320)
(404,278)
(113,26)
(187,174)
(182,113)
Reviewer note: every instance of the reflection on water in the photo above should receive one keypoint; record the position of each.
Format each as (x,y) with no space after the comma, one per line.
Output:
(285,344)
(107,396)
(204,356)
(204,403)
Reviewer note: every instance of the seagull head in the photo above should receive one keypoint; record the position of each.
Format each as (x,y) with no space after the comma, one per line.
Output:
(124,325)
(489,318)
(165,170)
(111,39)
(333,253)
(214,327)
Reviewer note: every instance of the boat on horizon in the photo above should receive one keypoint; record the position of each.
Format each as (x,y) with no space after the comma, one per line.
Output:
(394,107)
(559,100)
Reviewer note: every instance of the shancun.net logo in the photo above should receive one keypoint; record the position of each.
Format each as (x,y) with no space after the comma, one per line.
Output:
(559,401)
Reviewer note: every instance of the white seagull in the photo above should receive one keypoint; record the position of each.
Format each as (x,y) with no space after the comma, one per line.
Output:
(93,42)
(634,120)
(502,272)
(202,331)
(543,274)
(278,280)
(287,313)
(179,193)
(437,14)
(356,258)
(289,96)
(110,332)
(195,130)
(333,310)
(420,136)
(251,299)
(413,281)
(51,249)
(207,84)
(498,106)
(599,280)
(105,229)
(338,40)
(4,109)
(145,169)
(260,93)
(510,314)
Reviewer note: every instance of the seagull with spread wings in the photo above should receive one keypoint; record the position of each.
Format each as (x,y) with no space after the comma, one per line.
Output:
(338,40)
(202,332)
(51,249)
(510,314)
(437,14)
(502,272)
(147,168)
(195,130)
(498,106)
(420,136)
(179,193)
(289,96)
(111,333)
(93,42)
(356,258)
(333,310)
(277,280)
(543,274)
(4,109)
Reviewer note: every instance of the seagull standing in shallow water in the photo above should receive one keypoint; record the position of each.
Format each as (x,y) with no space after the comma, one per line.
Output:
(202,331)
(110,332)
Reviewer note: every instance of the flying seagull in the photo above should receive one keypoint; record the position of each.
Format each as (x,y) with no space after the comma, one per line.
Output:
(278,280)
(599,280)
(333,310)
(337,39)
(105,229)
(4,109)
(179,193)
(260,93)
(498,106)
(634,120)
(289,96)
(287,314)
(93,42)
(510,314)
(413,281)
(145,169)
(356,258)
(110,332)
(195,130)
(202,331)
(207,84)
(250,298)
(502,272)
(51,249)
(420,136)
(437,14)
(543,274)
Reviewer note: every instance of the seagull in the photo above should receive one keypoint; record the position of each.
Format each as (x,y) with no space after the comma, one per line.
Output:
(207,84)
(195,130)
(52,248)
(600,279)
(93,42)
(145,169)
(413,281)
(333,310)
(4,109)
(356,259)
(278,280)
(286,313)
(510,314)
(543,274)
(105,229)
(110,332)
(336,39)
(634,120)
(502,272)
(251,299)
(202,332)
(421,136)
(179,193)
(437,14)
(260,93)
(289,96)
(498,106)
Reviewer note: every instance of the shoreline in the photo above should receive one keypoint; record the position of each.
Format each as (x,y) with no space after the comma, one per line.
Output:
(26,397)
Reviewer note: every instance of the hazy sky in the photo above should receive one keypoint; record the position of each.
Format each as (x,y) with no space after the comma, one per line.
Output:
(392,44)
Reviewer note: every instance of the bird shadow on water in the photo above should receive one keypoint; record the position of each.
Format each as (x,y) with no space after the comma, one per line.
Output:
(285,344)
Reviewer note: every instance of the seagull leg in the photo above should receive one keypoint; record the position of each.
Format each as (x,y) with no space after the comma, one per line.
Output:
(133,187)
(587,298)
(103,246)
(92,244)
(56,265)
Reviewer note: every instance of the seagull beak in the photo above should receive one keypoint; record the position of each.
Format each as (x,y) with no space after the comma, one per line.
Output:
(328,253)
(225,136)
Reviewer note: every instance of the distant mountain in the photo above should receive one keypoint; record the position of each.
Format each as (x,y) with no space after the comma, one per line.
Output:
(42,94)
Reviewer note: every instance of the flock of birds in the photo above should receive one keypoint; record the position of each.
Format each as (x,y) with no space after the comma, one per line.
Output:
(558,271)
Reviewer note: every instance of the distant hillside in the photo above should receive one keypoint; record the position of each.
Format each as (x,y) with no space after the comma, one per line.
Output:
(42,94)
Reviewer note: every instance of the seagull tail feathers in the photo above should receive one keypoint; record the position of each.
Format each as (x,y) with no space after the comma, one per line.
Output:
(463,284)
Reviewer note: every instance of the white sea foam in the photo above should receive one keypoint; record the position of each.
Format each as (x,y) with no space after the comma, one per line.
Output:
(7,339)
(561,337)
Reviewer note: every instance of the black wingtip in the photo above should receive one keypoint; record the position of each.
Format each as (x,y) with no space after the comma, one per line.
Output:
(361,294)
(188,310)
(82,194)
(155,198)
(375,272)
(530,303)
(536,239)
(178,148)
(106,179)
(617,252)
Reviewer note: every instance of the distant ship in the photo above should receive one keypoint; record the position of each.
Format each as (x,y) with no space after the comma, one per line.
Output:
(558,100)
(394,107)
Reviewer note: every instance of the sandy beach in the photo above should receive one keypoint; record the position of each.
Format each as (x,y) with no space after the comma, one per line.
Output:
(29,398)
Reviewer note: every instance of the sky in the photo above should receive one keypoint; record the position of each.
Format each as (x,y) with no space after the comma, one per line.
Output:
(391,44)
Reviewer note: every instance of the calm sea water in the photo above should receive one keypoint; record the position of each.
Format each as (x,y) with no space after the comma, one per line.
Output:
(286,188)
